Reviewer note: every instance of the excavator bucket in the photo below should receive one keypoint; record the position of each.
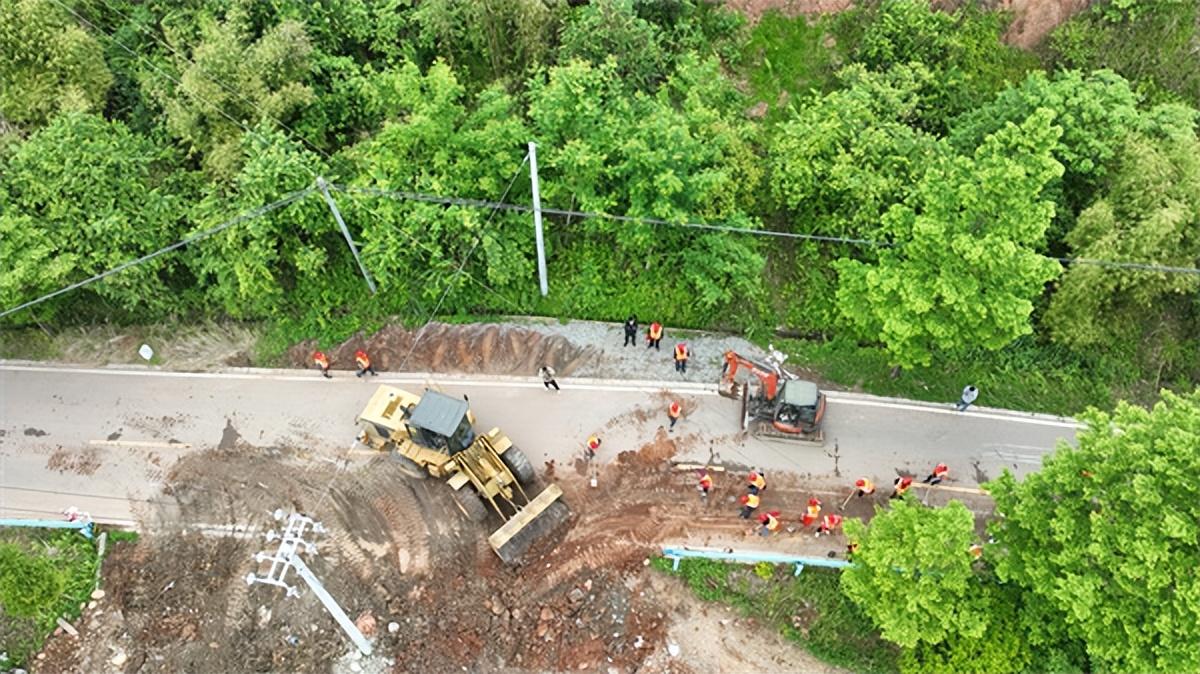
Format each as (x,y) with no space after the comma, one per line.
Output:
(542,515)
(727,388)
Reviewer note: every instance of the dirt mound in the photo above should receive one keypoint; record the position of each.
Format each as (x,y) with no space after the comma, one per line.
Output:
(443,347)
(654,453)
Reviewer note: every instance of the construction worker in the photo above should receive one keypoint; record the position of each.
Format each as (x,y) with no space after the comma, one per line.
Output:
(813,512)
(758,481)
(322,361)
(749,505)
(593,443)
(939,473)
(976,550)
(864,487)
(830,523)
(901,485)
(969,395)
(674,411)
(851,548)
(682,352)
(705,485)
(654,335)
(770,523)
(547,374)
(631,330)
(364,364)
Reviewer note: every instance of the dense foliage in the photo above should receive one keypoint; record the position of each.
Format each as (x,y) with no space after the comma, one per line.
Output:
(957,165)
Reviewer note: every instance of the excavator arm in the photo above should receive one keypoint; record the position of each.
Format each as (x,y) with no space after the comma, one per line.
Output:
(766,374)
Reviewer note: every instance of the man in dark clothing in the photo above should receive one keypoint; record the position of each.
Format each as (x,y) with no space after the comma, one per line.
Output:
(631,331)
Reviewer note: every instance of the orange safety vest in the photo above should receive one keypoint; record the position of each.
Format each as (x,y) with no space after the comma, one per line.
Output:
(360,357)
(706,482)
(903,485)
(758,481)
(320,359)
(655,331)
(675,410)
(832,521)
(681,352)
(751,500)
(940,470)
(771,522)
(814,511)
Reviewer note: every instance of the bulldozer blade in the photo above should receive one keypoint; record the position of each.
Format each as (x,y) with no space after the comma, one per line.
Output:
(539,517)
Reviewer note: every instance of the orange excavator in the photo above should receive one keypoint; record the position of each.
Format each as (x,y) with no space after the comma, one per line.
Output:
(778,405)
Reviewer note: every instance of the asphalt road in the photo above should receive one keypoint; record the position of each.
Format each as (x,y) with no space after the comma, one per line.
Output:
(102,439)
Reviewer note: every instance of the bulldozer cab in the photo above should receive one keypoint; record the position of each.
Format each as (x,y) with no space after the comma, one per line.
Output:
(441,422)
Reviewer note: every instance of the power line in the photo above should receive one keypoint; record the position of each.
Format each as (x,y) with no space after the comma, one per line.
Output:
(261,210)
(478,203)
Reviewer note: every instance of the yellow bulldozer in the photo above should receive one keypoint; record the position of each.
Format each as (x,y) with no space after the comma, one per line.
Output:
(433,435)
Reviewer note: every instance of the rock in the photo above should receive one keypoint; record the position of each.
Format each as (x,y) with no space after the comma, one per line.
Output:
(393,627)
(575,595)
(547,613)
(366,624)
(646,562)
(264,615)
(496,606)
(673,649)
(42,656)
(583,666)
(542,628)
(587,586)
(67,627)
(119,659)
(98,594)
(639,642)
(92,605)
(516,614)
(355,667)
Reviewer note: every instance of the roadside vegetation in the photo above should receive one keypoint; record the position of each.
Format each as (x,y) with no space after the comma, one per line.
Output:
(45,574)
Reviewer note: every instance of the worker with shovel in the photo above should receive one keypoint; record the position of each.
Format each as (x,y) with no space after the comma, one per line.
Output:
(705,485)
(813,512)
(862,487)
(770,523)
(749,505)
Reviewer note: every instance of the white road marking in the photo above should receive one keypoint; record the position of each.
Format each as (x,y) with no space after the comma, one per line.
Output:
(141,443)
(1032,420)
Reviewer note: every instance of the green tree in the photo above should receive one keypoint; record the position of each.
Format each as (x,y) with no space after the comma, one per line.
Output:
(1106,536)
(913,575)
(48,63)
(964,270)
(603,30)
(1149,213)
(82,196)
(28,583)
(232,80)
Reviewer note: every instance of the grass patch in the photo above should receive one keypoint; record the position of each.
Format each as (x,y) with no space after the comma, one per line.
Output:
(44,574)
(788,57)
(809,610)
(121,535)
(1024,376)
(27,344)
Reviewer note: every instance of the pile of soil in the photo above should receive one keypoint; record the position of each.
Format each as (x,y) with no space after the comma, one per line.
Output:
(442,347)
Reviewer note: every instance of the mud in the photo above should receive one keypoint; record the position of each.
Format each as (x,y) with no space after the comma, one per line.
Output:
(80,462)
(441,347)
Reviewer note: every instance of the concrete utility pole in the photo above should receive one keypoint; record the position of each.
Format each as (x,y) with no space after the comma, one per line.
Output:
(537,218)
(287,557)
(337,215)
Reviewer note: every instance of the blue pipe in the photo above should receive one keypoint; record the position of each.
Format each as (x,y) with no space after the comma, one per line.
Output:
(676,554)
(84,527)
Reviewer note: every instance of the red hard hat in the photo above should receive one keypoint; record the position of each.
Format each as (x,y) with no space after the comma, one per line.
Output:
(860,482)
(814,501)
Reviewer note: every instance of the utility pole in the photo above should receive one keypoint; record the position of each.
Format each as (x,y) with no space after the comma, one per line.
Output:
(537,218)
(337,215)
(288,557)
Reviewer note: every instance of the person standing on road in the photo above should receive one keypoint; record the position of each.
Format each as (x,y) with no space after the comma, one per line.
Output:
(654,335)
(364,364)
(749,505)
(593,444)
(757,481)
(830,523)
(901,485)
(813,512)
(939,473)
(682,353)
(547,374)
(969,394)
(770,523)
(322,361)
(706,484)
(674,411)
(631,330)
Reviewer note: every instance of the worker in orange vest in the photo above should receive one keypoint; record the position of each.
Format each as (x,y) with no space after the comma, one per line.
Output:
(770,523)
(749,505)
(654,335)
(851,548)
(758,481)
(813,512)
(976,550)
(901,485)
(674,411)
(939,473)
(706,484)
(830,523)
(682,353)
(322,362)
(593,443)
(364,364)
(864,487)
